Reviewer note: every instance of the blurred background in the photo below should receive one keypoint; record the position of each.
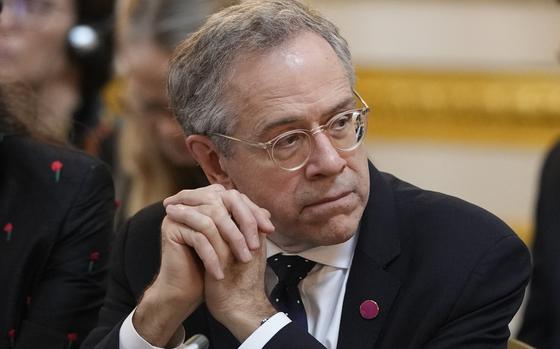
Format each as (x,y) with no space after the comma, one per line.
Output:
(465,94)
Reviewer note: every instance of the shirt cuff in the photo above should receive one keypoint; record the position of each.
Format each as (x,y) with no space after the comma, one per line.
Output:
(266,331)
(130,339)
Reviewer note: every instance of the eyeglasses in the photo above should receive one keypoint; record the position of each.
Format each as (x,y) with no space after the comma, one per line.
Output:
(291,150)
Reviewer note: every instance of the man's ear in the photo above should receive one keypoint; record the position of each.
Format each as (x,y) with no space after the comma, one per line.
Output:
(207,156)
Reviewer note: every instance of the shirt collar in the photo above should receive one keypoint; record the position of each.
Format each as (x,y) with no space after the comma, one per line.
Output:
(338,256)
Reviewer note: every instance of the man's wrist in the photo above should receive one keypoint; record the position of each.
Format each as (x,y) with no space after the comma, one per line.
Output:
(157,321)
(244,324)
(130,339)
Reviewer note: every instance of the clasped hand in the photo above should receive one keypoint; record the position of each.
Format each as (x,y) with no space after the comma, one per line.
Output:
(213,250)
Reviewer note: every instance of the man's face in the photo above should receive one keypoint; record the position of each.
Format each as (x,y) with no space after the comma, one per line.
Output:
(299,85)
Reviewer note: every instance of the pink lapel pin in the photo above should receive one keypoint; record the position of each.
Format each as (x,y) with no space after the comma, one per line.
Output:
(369,309)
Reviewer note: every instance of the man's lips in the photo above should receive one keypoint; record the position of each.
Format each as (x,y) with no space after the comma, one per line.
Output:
(328,199)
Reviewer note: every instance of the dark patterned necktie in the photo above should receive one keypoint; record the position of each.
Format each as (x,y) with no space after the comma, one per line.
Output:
(285,295)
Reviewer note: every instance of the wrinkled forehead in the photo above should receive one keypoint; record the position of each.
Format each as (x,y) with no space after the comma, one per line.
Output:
(301,52)
(303,76)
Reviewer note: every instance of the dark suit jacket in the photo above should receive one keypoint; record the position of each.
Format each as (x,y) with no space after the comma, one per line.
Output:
(445,273)
(541,323)
(54,239)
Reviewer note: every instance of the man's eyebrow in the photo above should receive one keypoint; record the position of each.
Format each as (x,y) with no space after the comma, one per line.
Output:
(279,122)
(343,105)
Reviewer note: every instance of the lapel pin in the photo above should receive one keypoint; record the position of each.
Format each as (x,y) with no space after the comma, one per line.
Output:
(369,309)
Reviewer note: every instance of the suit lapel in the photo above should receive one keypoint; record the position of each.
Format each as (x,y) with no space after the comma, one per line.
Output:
(378,244)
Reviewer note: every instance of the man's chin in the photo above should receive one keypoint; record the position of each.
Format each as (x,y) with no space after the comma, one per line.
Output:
(314,236)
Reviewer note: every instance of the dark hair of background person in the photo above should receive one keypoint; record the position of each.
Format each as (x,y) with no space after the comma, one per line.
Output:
(8,123)
(18,113)
(95,67)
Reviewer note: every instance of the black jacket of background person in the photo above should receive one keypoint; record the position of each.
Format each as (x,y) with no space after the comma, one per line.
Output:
(53,245)
(541,323)
(445,273)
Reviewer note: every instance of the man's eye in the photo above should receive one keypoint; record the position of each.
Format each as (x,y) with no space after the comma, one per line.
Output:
(341,122)
(289,141)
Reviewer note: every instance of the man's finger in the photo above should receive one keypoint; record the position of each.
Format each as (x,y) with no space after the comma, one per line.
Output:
(209,247)
(262,215)
(217,225)
(200,196)
(243,216)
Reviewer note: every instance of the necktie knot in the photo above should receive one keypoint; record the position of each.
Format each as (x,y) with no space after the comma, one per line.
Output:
(290,269)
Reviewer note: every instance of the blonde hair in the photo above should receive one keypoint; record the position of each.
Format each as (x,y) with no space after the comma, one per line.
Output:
(164,24)
(152,176)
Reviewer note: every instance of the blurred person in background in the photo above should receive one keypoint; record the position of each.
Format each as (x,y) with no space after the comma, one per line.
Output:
(541,322)
(56,218)
(151,160)
(61,49)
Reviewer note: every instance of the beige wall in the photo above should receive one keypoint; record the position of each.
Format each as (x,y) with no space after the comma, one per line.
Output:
(471,34)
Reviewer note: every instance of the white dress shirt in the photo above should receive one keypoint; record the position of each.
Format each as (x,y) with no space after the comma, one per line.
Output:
(322,293)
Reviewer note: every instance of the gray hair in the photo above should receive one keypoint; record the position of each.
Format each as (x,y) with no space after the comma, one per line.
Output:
(200,69)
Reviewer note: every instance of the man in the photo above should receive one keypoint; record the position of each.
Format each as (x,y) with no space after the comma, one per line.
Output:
(264,93)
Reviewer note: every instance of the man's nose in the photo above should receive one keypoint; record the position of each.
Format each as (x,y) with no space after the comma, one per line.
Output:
(325,160)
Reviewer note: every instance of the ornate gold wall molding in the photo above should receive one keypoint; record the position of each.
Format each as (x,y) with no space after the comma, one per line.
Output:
(463,107)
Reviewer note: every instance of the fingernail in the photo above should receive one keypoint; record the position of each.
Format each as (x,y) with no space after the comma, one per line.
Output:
(246,256)
(171,209)
(254,243)
(220,274)
(271,226)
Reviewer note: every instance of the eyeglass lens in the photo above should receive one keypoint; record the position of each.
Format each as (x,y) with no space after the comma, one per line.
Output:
(345,131)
